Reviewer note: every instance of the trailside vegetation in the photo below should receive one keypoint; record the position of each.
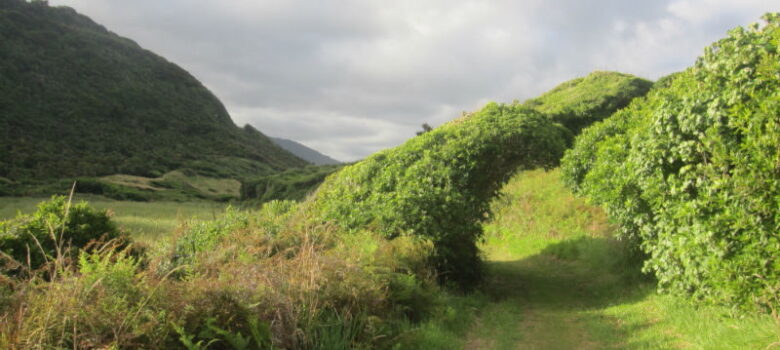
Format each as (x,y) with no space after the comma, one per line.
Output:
(293,184)
(438,185)
(692,172)
(55,232)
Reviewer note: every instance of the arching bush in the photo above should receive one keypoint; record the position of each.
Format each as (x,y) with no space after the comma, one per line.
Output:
(438,185)
(695,171)
(580,102)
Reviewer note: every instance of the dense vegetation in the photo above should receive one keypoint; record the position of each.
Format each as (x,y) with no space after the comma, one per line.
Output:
(438,185)
(293,184)
(581,102)
(691,172)
(78,100)
(55,231)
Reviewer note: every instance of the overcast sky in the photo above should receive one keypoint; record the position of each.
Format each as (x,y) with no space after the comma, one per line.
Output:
(351,77)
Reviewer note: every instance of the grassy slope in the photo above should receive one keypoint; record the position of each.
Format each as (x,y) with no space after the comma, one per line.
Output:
(78,100)
(557,280)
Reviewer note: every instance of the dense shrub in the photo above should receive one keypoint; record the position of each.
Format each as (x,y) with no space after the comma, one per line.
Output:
(55,229)
(439,185)
(581,102)
(292,184)
(692,171)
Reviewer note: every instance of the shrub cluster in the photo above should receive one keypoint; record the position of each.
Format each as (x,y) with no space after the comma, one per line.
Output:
(55,230)
(439,185)
(291,184)
(580,102)
(692,172)
(250,280)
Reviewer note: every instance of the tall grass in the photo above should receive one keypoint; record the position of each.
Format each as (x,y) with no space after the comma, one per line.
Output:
(248,280)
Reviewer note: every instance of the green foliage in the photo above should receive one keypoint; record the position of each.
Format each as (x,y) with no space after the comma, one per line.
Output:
(115,271)
(292,184)
(438,185)
(691,172)
(78,100)
(54,230)
(583,101)
(205,235)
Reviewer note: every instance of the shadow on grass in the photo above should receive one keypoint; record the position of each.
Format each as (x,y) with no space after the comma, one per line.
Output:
(564,288)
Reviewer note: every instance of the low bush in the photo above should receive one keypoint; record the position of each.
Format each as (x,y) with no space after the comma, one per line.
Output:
(54,231)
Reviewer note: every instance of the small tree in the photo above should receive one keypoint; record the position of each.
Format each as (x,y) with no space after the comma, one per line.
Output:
(426,128)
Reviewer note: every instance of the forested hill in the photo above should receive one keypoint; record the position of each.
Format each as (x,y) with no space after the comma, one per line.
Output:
(78,100)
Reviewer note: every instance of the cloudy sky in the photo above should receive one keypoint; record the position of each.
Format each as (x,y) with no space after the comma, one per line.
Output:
(350,77)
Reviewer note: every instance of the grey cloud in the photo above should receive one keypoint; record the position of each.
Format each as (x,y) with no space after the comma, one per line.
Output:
(351,77)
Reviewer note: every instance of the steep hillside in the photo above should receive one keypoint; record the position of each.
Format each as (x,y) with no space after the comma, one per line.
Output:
(78,100)
(580,102)
(303,152)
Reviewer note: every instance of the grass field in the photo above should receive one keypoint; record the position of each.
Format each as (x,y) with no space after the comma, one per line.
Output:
(145,221)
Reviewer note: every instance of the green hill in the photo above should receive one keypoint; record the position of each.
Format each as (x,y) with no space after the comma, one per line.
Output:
(580,102)
(78,100)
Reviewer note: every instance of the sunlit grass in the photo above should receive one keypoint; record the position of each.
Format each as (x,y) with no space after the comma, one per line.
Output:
(558,280)
(145,221)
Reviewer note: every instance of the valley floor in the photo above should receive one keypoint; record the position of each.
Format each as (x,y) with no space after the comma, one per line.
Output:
(557,280)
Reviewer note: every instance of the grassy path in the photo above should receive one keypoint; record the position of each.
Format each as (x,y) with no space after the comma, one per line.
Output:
(557,280)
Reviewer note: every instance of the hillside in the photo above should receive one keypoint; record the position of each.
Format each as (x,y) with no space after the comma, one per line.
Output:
(308,154)
(78,100)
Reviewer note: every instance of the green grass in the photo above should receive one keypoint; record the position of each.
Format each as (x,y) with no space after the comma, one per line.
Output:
(558,280)
(145,221)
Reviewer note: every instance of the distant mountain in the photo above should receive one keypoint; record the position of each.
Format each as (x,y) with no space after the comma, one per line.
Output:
(304,152)
(78,100)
